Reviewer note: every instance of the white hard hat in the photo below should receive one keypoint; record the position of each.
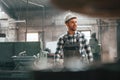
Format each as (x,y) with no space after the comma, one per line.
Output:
(69,16)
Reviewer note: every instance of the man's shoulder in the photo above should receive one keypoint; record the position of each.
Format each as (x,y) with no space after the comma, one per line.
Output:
(78,33)
(63,36)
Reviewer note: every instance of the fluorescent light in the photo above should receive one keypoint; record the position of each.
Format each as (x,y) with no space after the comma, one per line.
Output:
(18,21)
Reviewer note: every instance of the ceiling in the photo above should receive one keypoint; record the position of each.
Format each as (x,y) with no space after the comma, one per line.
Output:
(104,8)
(12,6)
(16,4)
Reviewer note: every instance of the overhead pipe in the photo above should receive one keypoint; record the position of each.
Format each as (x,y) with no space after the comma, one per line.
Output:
(18,21)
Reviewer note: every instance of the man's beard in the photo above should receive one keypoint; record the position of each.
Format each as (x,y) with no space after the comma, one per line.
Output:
(73,29)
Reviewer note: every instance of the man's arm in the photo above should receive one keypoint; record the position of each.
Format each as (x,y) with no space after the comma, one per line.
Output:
(59,49)
(89,53)
(88,50)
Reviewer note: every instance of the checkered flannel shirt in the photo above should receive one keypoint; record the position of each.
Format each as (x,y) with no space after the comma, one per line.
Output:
(85,49)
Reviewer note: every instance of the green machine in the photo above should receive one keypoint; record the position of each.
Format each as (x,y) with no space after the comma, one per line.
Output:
(20,54)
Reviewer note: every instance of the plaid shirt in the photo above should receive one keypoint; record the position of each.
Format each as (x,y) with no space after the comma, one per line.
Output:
(77,37)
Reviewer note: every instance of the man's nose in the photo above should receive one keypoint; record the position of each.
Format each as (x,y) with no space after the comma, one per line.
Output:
(75,24)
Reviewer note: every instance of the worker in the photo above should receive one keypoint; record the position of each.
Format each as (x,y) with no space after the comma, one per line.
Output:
(95,47)
(73,44)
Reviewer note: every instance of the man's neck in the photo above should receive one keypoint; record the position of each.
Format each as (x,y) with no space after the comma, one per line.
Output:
(71,32)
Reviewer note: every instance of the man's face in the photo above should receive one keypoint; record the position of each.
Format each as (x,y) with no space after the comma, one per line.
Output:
(72,24)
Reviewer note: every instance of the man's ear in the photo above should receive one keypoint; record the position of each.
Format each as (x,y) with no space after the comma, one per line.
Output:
(66,24)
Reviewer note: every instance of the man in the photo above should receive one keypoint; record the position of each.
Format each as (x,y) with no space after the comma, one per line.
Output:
(95,47)
(73,43)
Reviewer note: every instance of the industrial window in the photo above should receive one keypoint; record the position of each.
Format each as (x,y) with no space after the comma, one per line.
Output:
(32,37)
(87,34)
(0,9)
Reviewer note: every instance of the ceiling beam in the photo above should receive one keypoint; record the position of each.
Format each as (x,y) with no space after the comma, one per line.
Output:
(5,3)
(40,5)
(7,10)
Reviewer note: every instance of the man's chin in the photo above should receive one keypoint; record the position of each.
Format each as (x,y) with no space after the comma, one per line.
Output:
(73,29)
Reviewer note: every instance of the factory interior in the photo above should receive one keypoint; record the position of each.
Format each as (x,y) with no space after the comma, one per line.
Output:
(29,30)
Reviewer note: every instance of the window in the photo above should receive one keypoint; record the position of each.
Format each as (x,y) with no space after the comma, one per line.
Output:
(0,9)
(52,46)
(87,34)
(32,37)
(86,30)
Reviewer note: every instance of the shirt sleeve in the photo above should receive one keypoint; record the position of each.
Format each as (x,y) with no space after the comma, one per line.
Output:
(59,48)
(89,53)
(88,50)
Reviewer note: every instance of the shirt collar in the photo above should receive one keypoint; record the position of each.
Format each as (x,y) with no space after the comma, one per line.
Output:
(76,32)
